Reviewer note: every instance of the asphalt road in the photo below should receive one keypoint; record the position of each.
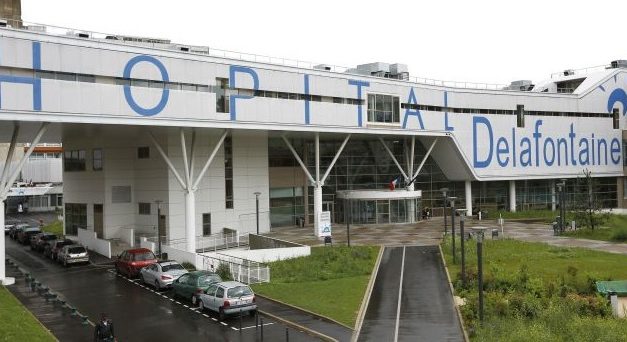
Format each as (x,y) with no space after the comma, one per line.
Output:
(411,300)
(139,313)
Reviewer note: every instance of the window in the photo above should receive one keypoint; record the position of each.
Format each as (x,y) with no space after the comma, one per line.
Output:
(520,116)
(383,108)
(222,98)
(143,152)
(144,208)
(74,160)
(615,118)
(75,217)
(206,224)
(97,159)
(228,172)
(220,292)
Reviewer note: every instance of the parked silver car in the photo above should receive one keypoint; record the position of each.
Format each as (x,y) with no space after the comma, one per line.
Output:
(72,254)
(161,274)
(228,297)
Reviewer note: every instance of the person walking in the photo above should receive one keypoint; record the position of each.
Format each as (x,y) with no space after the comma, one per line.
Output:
(104,330)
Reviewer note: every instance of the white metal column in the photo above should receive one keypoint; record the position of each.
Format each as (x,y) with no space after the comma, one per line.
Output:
(553,204)
(468,196)
(512,196)
(3,279)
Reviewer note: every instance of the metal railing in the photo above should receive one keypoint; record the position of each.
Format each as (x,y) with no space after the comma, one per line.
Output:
(204,244)
(228,54)
(242,270)
(581,71)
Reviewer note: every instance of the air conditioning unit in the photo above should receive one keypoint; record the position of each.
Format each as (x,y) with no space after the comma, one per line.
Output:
(322,67)
(621,63)
(82,35)
(569,72)
(184,48)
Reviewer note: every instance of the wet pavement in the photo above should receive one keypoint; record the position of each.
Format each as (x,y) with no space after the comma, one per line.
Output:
(411,300)
(139,313)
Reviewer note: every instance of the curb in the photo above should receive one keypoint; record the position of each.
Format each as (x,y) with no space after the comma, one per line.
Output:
(366,299)
(299,327)
(448,277)
(323,318)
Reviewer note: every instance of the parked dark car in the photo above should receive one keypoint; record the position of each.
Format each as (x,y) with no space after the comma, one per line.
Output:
(132,260)
(15,231)
(52,249)
(42,241)
(25,235)
(193,284)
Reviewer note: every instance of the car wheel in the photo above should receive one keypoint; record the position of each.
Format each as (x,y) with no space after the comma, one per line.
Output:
(117,270)
(194,300)
(157,285)
(222,315)
(201,306)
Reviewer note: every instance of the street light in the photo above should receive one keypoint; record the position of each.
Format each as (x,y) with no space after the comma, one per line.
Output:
(452,199)
(462,215)
(257,193)
(348,217)
(158,202)
(479,233)
(444,191)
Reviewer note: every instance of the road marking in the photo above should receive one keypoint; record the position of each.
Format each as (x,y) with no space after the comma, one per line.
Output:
(171,299)
(206,315)
(400,293)
(234,328)
(222,323)
(254,326)
(214,319)
(185,305)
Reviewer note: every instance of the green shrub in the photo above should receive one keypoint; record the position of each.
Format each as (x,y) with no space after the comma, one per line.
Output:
(224,272)
(619,234)
(188,266)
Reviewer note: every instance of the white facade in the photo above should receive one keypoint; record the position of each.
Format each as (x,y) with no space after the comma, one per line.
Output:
(105,95)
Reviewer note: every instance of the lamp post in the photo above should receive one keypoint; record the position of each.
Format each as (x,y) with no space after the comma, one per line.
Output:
(257,193)
(479,234)
(462,215)
(563,206)
(561,189)
(158,202)
(452,199)
(444,192)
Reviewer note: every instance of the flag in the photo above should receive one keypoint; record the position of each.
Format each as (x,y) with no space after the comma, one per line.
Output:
(394,183)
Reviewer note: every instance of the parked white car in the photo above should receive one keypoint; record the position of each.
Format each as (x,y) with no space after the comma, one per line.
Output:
(227,298)
(161,274)
(73,254)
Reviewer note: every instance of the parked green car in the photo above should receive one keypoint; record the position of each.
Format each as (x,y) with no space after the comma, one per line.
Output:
(192,284)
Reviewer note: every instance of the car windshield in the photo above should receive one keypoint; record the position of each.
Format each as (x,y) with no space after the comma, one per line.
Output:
(49,237)
(171,267)
(144,256)
(76,250)
(239,291)
(208,279)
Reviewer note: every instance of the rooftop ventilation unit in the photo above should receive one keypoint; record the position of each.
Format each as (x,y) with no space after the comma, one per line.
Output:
(521,85)
(322,67)
(184,48)
(569,72)
(82,35)
(3,23)
(378,69)
(621,63)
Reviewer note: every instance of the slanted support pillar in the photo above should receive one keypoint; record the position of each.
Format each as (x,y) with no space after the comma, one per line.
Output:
(512,196)
(468,196)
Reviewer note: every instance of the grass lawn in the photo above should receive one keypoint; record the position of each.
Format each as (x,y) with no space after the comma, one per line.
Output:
(615,229)
(545,215)
(55,227)
(537,292)
(17,324)
(331,281)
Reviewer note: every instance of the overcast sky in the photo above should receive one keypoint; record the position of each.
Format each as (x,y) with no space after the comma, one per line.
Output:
(477,41)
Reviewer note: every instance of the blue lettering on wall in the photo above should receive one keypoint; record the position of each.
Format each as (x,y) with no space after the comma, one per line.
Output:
(35,82)
(359,85)
(618,95)
(234,69)
(476,120)
(412,100)
(165,93)
(307,98)
(555,150)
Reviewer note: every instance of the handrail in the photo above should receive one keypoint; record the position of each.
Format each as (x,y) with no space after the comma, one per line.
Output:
(229,54)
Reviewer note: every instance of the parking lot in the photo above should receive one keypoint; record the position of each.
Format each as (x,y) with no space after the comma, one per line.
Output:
(139,312)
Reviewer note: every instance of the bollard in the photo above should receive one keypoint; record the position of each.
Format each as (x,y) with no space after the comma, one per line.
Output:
(287,335)
(240,320)
(257,321)
(261,329)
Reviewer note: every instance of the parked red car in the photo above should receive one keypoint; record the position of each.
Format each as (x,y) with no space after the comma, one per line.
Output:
(132,260)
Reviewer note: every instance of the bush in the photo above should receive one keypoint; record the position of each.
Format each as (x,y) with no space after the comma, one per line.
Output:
(619,234)
(188,266)
(224,272)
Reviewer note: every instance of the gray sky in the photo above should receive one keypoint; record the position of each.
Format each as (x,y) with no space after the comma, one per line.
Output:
(477,41)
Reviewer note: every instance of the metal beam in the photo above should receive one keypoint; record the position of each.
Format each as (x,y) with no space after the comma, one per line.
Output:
(211,157)
(337,155)
(422,163)
(317,142)
(188,181)
(9,161)
(42,130)
(193,155)
(167,161)
(393,158)
(300,162)
(411,158)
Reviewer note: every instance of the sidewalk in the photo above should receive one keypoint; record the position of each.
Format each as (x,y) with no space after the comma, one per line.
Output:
(304,319)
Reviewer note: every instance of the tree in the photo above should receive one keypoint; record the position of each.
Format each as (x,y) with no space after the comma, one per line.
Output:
(587,208)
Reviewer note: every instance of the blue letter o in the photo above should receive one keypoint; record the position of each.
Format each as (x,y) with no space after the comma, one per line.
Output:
(127,88)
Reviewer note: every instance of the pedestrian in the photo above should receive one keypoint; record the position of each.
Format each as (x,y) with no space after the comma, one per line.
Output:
(104,330)
(20,208)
